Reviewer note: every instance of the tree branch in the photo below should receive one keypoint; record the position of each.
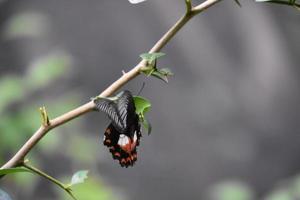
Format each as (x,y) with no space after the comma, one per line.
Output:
(18,158)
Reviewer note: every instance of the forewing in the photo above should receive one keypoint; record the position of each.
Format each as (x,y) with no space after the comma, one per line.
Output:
(126,109)
(121,111)
(111,109)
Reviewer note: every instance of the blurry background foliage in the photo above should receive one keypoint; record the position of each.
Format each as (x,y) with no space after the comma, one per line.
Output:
(237,190)
(21,97)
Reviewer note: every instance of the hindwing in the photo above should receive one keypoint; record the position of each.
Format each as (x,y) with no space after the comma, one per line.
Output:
(122,147)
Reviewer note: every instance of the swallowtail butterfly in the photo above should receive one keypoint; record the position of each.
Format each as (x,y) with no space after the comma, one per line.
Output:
(123,134)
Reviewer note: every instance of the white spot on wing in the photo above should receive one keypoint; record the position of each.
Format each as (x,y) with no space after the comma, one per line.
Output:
(134,137)
(123,140)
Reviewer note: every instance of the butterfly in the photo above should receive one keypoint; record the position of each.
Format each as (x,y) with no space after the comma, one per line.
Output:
(123,134)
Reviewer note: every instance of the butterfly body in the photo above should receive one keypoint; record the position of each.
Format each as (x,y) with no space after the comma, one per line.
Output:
(123,134)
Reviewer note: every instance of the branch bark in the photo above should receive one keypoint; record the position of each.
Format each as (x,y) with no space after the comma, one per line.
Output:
(18,158)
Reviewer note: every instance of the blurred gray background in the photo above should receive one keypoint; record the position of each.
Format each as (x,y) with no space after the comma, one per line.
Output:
(229,116)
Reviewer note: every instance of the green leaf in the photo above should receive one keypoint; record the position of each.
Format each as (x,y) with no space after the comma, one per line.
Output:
(151,69)
(160,76)
(4,195)
(142,106)
(166,71)
(151,57)
(92,189)
(79,177)
(147,125)
(13,170)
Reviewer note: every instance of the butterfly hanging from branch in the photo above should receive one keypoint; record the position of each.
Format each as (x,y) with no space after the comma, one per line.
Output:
(123,134)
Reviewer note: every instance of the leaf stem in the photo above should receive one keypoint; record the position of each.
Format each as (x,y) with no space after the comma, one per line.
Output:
(48,177)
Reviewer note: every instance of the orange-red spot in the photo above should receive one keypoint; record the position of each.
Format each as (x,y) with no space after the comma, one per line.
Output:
(129,147)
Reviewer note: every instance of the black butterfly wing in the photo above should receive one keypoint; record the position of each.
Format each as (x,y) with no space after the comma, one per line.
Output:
(120,111)
(111,140)
(126,109)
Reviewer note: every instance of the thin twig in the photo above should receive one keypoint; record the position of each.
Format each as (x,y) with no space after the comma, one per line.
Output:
(189,6)
(90,106)
(50,178)
(204,6)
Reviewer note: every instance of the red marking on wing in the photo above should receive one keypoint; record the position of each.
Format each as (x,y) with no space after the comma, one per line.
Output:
(129,147)
(126,155)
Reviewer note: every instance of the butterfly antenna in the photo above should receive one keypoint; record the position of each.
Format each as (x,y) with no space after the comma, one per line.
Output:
(141,88)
